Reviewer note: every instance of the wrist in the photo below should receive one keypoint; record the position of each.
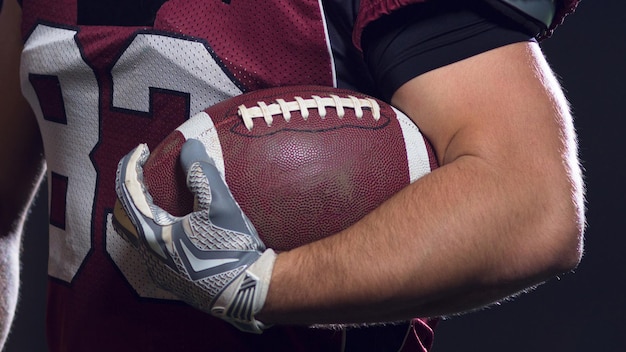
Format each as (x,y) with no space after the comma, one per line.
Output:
(245,297)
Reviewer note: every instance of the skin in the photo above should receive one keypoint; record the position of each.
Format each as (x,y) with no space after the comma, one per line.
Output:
(504,212)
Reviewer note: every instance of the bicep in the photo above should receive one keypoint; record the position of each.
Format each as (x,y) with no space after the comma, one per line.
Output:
(501,105)
(470,76)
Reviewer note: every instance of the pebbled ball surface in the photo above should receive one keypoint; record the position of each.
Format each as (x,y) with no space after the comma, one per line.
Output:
(298,180)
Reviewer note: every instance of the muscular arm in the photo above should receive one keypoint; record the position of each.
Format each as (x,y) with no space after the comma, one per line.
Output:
(21,162)
(504,212)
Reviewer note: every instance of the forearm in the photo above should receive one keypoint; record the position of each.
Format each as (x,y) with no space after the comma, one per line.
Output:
(9,282)
(13,212)
(457,249)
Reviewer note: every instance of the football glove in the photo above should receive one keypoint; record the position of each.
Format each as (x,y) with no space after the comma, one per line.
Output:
(212,258)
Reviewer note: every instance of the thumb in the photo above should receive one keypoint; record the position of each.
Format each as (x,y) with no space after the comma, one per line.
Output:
(211,192)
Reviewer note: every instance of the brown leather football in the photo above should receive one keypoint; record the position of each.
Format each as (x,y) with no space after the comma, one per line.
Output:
(302,162)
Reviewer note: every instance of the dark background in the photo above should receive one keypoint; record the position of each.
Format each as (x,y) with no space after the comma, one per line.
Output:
(582,311)
(586,310)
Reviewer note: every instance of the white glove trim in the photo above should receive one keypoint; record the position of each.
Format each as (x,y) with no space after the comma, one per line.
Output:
(241,300)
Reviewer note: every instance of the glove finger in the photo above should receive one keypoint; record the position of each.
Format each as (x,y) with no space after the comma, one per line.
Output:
(212,193)
(192,153)
(129,179)
(137,203)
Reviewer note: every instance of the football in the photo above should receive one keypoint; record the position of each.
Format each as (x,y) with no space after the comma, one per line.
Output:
(302,162)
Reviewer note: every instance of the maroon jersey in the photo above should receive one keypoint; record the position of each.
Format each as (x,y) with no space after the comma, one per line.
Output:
(105,76)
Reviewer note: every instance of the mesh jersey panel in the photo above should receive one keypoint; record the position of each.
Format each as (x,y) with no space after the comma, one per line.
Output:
(98,89)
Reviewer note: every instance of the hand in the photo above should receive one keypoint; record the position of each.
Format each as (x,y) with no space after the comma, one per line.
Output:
(211,258)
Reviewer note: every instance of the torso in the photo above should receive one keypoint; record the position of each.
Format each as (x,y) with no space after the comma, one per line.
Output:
(99,88)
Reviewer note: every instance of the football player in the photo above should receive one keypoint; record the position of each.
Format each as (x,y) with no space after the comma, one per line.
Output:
(504,212)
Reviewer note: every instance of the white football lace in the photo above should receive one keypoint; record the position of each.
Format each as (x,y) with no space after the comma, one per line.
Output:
(284,108)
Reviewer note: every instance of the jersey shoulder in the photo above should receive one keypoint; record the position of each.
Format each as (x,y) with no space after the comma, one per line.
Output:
(371,10)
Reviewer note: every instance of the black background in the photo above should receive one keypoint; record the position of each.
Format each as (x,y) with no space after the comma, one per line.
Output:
(583,311)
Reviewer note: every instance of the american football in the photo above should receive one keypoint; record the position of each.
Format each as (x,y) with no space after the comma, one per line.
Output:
(302,162)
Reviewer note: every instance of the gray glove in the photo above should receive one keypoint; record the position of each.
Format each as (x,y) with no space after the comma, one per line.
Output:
(212,258)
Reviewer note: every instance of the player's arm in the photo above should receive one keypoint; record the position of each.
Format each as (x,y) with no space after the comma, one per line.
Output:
(21,162)
(502,213)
